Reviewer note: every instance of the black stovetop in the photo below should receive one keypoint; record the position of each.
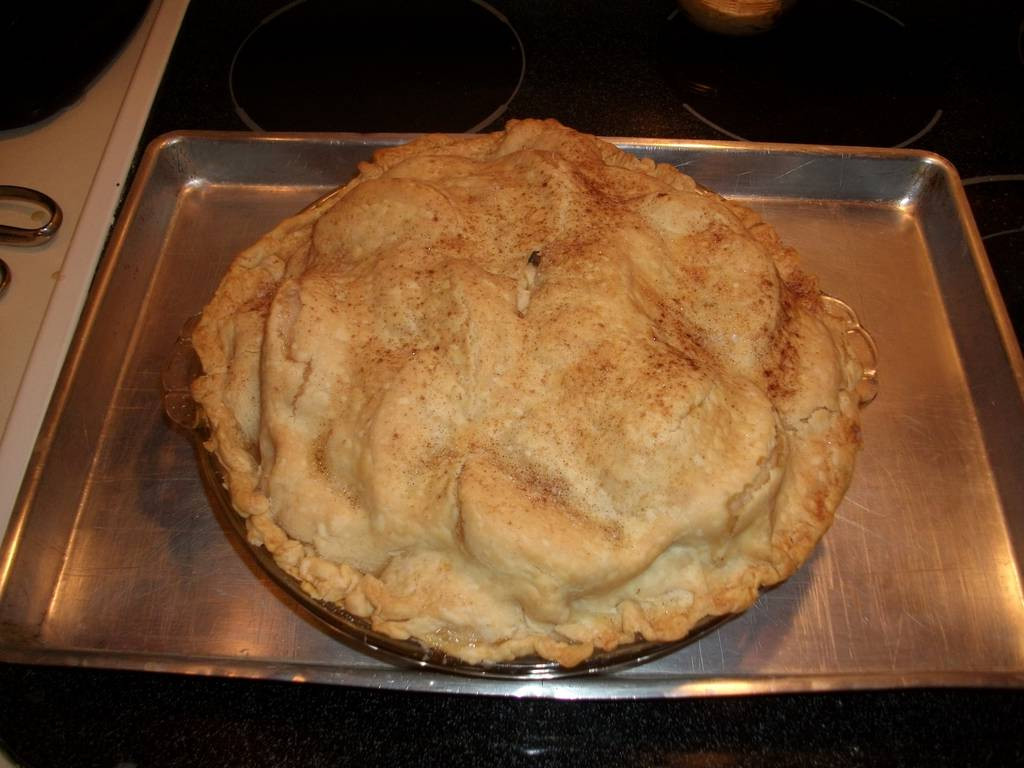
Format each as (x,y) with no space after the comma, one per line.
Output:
(946,77)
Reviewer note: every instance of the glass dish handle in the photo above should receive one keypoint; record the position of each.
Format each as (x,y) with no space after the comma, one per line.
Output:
(862,344)
(182,368)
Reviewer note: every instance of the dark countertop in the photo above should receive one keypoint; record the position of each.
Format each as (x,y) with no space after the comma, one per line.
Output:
(78,717)
(617,80)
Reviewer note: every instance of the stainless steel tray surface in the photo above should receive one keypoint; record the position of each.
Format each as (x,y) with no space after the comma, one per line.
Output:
(115,559)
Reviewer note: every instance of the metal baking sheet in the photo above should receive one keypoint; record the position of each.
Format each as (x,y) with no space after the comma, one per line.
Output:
(115,559)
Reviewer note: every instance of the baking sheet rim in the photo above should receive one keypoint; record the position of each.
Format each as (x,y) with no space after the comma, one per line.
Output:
(595,687)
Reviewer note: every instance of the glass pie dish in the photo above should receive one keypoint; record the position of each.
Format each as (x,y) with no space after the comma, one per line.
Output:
(187,416)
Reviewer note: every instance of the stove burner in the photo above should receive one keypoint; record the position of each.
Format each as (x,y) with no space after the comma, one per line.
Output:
(837,72)
(389,66)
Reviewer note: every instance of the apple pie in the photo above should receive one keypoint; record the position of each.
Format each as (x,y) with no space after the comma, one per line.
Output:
(527,394)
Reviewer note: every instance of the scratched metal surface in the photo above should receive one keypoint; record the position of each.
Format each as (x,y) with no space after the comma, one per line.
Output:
(115,559)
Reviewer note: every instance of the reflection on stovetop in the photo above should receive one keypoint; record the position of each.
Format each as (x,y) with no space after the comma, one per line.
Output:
(944,77)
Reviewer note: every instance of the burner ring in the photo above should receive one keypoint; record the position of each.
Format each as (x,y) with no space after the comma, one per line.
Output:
(830,73)
(317,65)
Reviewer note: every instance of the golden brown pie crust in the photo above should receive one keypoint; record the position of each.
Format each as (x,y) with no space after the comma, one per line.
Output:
(525,393)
